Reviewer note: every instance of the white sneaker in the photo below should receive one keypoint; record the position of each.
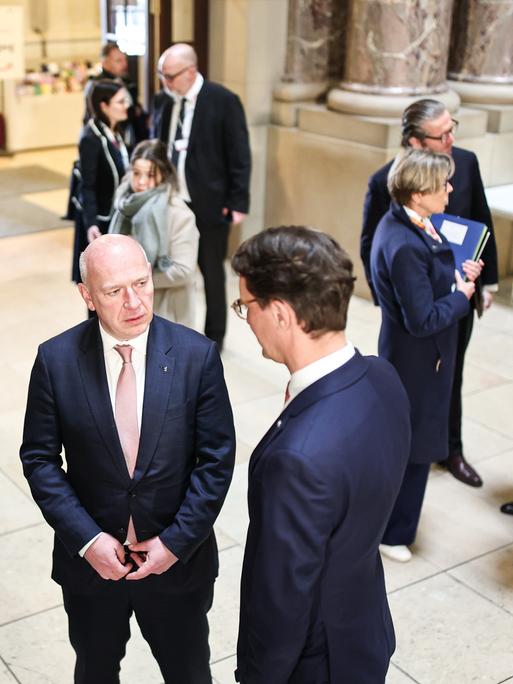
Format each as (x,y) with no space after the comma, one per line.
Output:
(399,553)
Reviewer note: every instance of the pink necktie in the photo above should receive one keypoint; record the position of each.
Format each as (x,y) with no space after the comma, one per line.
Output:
(126,417)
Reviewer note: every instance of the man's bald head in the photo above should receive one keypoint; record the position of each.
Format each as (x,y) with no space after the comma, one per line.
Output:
(104,248)
(178,67)
(117,284)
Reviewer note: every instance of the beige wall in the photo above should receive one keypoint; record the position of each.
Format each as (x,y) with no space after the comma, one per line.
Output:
(247,55)
(71,29)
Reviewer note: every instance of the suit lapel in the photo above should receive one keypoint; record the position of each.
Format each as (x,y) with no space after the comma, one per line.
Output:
(91,363)
(160,366)
(199,111)
(335,381)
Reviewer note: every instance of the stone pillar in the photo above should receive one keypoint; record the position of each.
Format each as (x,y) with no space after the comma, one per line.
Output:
(396,52)
(315,48)
(481,56)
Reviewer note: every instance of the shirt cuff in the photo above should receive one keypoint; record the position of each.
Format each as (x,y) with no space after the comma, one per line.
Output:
(82,551)
(491,288)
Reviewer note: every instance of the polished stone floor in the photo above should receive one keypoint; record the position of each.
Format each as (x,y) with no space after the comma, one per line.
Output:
(452,604)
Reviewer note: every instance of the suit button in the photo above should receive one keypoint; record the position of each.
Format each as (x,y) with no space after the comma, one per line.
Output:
(121,530)
(133,495)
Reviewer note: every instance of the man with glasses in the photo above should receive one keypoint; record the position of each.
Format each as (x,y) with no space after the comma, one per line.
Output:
(427,124)
(204,127)
(323,480)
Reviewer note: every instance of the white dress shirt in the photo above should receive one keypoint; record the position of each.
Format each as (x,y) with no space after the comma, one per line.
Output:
(190,103)
(306,376)
(113,365)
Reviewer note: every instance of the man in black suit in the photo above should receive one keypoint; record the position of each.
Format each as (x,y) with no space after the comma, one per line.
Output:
(149,446)
(204,127)
(427,123)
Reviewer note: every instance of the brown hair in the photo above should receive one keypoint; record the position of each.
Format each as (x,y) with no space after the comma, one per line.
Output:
(304,267)
(155,152)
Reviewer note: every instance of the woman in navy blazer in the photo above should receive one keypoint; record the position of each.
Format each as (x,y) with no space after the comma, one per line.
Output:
(422,297)
(103,162)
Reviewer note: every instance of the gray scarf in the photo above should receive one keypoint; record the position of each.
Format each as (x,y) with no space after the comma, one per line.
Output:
(150,228)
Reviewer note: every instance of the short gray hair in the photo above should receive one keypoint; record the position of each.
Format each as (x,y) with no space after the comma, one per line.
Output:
(418,171)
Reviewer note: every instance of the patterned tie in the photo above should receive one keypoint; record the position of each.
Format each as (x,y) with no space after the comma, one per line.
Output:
(126,417)
(178,134)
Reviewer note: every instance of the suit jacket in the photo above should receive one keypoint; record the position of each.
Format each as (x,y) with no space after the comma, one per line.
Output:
(322,484)
(184,464)
(413,277)
(102,168)
(218,161)
(467,200)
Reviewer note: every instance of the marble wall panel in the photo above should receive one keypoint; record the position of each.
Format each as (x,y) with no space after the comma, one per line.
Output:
(398,46)
(482,45)
(315,40)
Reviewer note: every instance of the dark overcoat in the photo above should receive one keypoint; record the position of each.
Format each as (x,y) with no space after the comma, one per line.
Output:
(413,277)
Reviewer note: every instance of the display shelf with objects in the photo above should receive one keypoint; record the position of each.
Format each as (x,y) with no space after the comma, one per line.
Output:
(45,109)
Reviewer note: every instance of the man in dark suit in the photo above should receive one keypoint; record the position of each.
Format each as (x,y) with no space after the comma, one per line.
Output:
(204,127)
(427,123)
(323,480)
(140,407)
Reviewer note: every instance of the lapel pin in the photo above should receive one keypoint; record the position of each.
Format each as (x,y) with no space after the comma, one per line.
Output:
(164,368)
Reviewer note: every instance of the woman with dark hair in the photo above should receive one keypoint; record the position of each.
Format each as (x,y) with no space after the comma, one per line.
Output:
(148,207)
(422,297)
(103,162)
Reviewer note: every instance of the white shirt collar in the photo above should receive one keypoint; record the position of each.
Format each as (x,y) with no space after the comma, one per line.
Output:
(307,375)
(139,343)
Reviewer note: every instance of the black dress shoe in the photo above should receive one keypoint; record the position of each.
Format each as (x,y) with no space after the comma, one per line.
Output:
(462,471)
(507,508)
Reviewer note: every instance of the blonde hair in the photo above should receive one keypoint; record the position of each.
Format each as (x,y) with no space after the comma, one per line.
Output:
(418,171)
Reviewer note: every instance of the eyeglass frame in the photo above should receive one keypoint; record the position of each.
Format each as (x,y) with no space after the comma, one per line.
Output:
(237,305)
(444,137)
(169,78)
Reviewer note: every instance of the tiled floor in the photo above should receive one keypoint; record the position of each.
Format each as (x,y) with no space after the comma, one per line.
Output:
(452,605)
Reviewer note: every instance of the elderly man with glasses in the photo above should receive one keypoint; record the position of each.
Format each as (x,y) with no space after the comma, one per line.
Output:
(427,124)
(204,127)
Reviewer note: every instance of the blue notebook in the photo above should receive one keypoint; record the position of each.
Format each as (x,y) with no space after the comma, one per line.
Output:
(467,238)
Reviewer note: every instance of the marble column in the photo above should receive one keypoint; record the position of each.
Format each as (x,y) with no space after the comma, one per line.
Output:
(315,48)
(481,56)
(396,52)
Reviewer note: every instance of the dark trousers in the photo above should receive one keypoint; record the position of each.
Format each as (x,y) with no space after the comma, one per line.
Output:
(213,248)
(175,626)
(465,326)
(404,519)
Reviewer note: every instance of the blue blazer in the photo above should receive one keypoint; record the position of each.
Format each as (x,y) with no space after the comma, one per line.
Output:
(413,277)
(184,465)
(322,484)
(467,200)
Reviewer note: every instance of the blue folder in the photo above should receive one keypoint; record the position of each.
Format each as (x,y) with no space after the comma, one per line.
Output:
(467,238)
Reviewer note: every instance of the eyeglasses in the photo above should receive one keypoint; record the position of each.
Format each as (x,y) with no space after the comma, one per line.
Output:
(444,138)
(169,78)
(241,308)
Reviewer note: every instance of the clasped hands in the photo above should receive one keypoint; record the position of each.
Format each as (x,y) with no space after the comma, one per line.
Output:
(472,270)
(107,556)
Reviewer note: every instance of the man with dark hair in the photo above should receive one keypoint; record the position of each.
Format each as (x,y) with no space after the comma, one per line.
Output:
(114,65)
(140,408)
(323,480)
(204,127)
(428,124)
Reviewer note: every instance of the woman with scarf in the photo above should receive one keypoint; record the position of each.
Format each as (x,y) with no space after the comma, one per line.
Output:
(148,207)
